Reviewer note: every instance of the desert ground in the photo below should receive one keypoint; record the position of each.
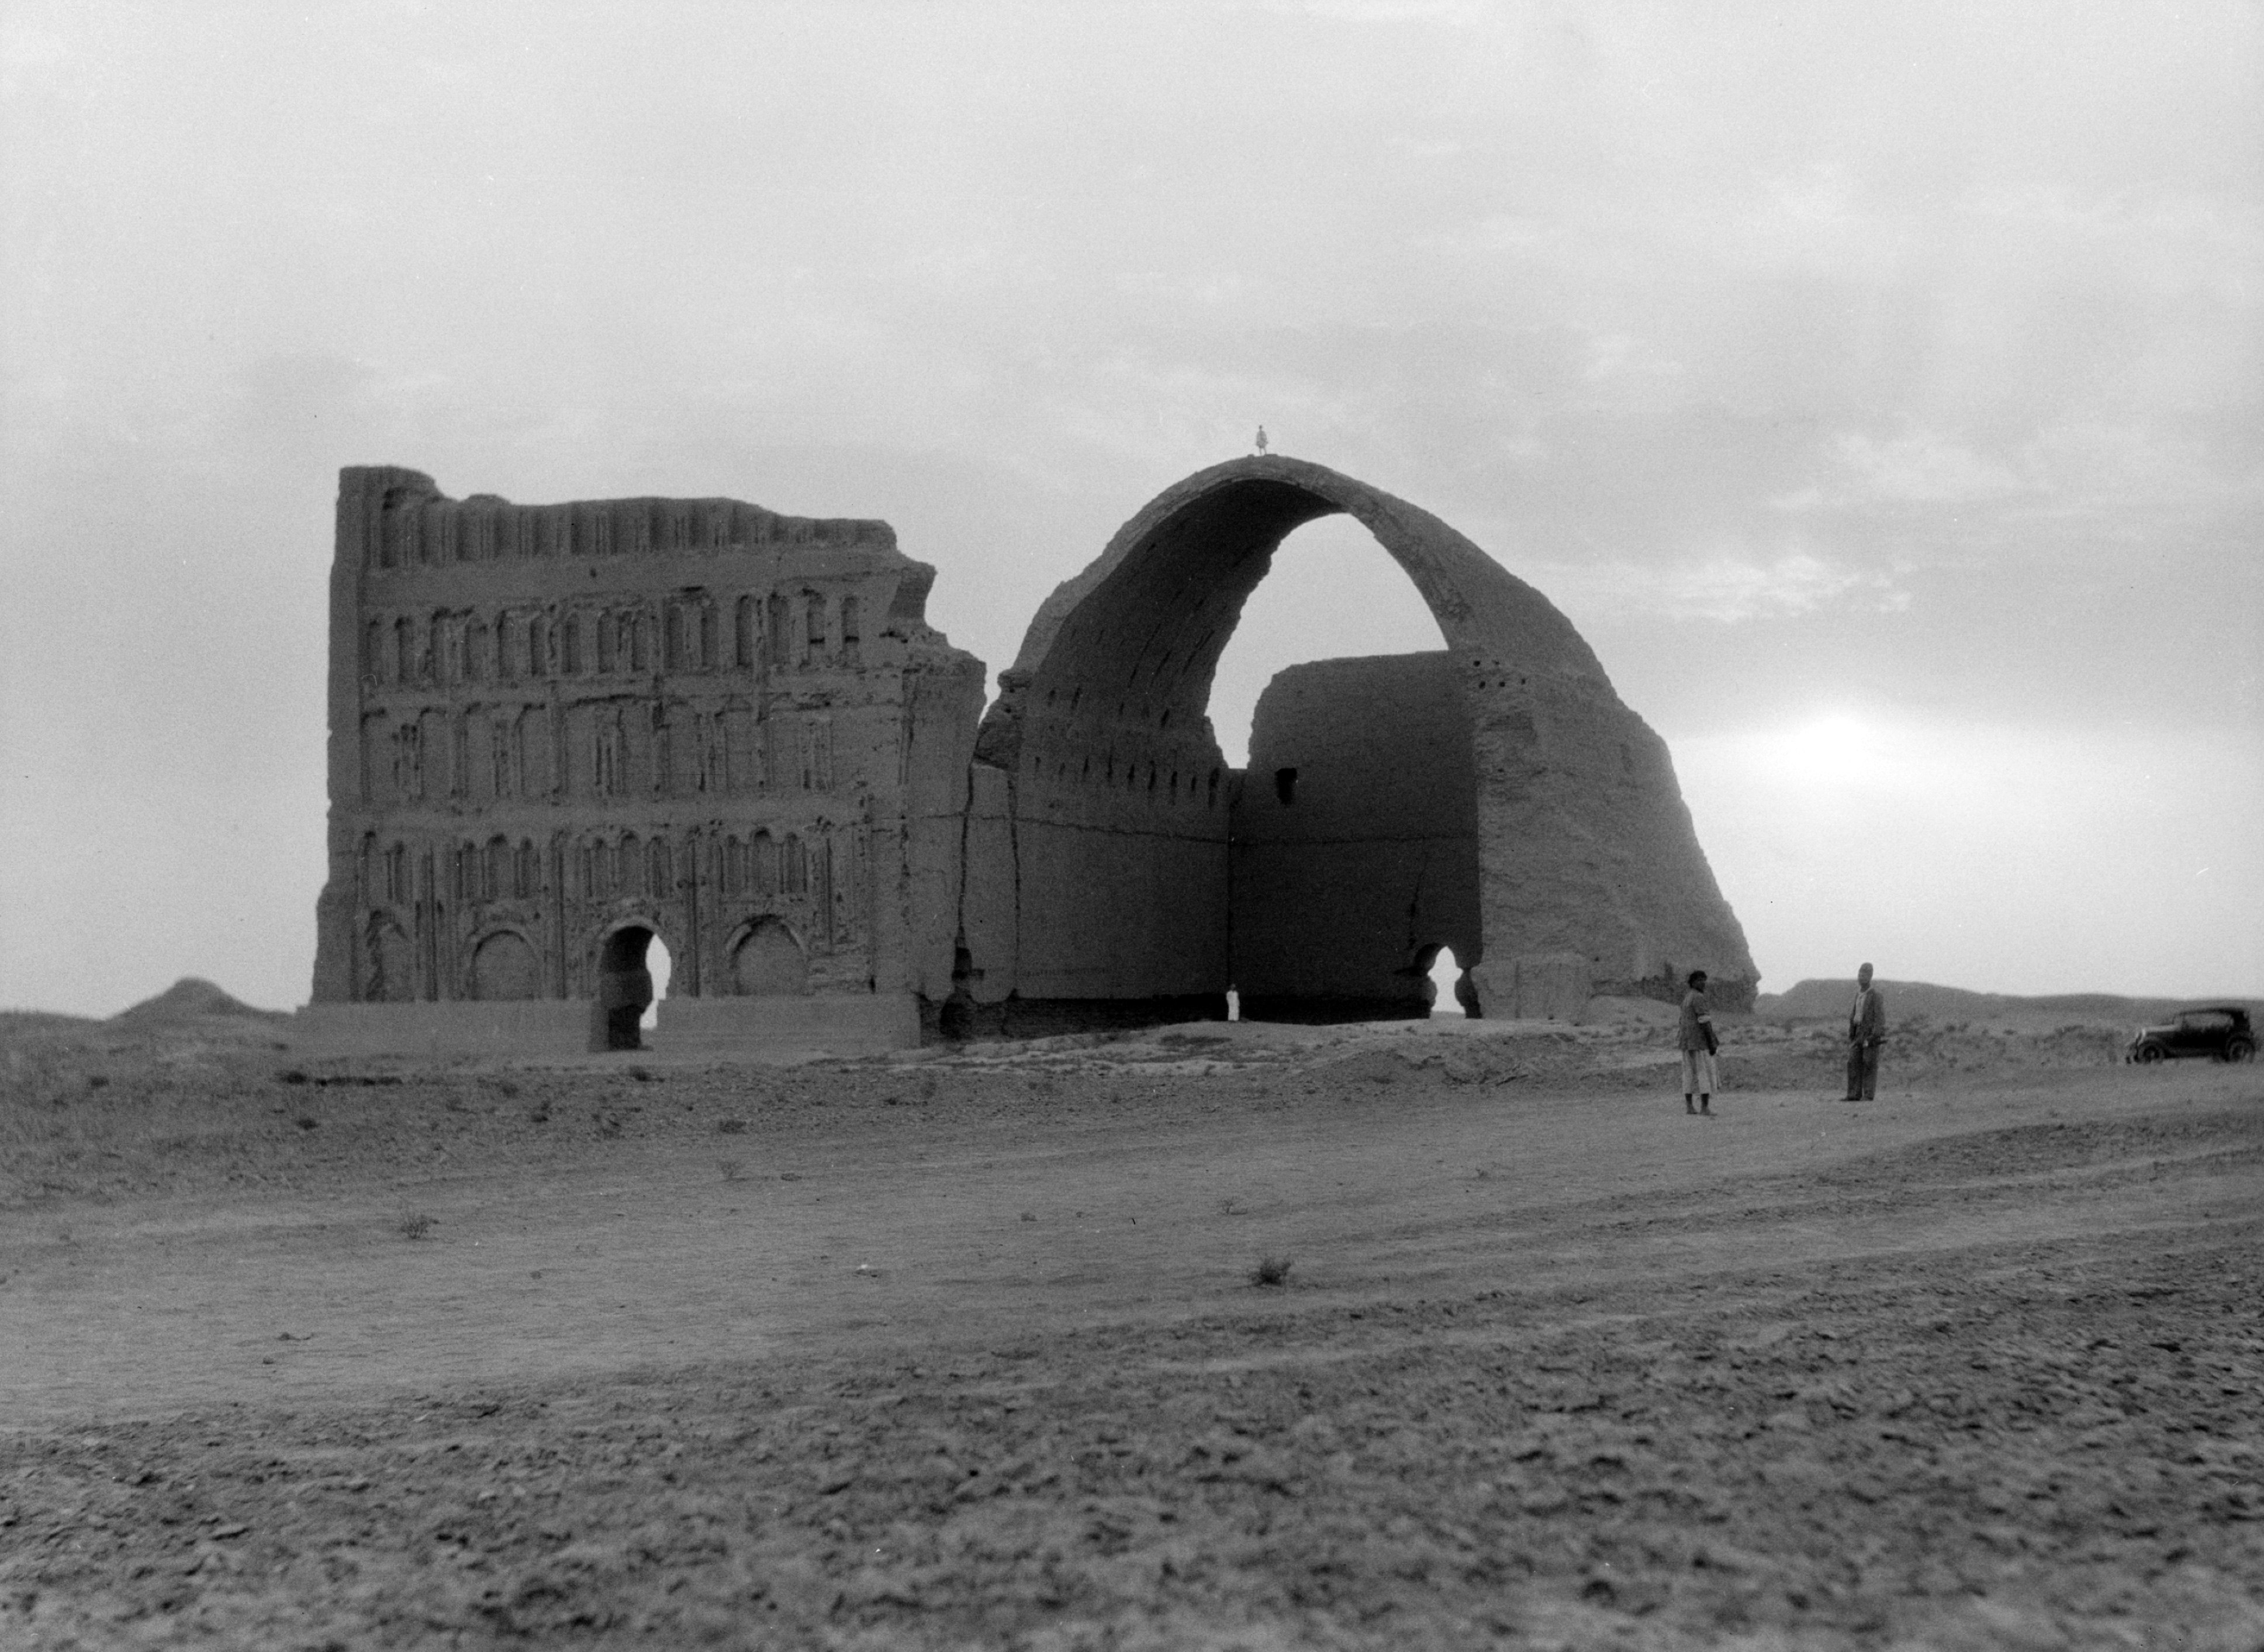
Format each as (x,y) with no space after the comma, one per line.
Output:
(977,1347)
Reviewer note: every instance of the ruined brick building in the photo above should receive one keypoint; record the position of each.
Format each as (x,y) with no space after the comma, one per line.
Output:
(558,732)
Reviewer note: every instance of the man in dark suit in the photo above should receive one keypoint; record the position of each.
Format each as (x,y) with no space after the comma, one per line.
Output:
(1866,1027)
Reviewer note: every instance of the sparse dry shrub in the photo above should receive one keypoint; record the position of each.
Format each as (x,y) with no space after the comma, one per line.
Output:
(416,1225)
(1271,1271)
(731,1169)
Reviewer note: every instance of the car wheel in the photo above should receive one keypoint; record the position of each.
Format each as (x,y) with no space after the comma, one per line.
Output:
(2150,1053)
(2239,1050)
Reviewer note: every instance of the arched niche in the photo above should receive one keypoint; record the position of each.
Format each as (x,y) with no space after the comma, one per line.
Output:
(505,966)
(389,968)
(768,961)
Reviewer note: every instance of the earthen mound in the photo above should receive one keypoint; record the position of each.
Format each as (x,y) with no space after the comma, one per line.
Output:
(32,1023)
(191,998)
(1905,998)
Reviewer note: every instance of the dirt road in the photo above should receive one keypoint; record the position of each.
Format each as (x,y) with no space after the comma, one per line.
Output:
(966,1352)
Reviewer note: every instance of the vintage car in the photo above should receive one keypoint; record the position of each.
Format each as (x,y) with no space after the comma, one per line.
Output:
(2219,1031)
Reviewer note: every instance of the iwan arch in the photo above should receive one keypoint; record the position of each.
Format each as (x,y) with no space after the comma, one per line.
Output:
(556,731)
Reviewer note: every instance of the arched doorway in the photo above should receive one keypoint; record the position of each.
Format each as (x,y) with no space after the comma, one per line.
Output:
(1451,993)
(624,988)
(660,965)
(1132,875)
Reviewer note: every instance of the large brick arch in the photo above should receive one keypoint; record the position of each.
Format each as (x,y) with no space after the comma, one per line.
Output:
(1147,621)
(1098,852)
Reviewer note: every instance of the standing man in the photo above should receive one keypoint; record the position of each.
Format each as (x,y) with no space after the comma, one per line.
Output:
(1867,1026)
(1696,1037)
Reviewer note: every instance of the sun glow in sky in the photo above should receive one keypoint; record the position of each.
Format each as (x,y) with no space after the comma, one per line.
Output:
(1834,752)
(1879,387)
(2001,859)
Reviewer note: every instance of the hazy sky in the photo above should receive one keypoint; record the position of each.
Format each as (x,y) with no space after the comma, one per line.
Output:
(1879,387)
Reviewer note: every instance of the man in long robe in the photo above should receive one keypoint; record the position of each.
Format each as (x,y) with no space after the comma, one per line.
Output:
(1867,1028)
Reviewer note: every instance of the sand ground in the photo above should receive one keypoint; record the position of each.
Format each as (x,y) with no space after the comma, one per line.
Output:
(965,1349)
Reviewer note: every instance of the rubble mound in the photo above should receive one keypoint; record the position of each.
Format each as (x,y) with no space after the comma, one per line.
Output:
(191,998)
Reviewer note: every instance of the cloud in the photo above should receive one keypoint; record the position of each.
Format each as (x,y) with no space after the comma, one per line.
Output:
(2060,488)
(1613,355)
(2106,466)
(1818,221)
(280,400)
(1724,588)
(1455,11)
(26,50)
(1427,149)
(1923,466)
(2173,244)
